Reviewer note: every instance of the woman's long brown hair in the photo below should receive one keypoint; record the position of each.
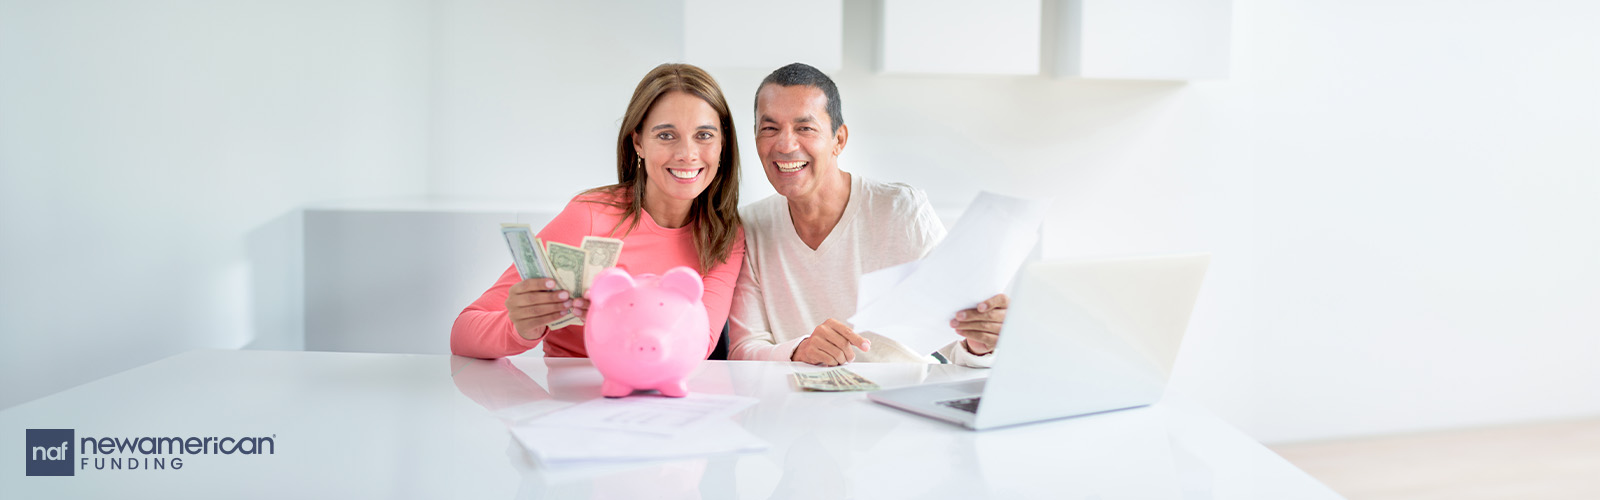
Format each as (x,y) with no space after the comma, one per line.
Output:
(714,215)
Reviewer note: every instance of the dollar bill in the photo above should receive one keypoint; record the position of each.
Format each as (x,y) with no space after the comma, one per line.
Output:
(835,380)
(566,265)
(567,262)
(853,380)
(545,255)
(603,253)
(525,253)
(565,321)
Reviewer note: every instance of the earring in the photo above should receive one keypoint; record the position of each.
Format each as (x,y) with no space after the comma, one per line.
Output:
(639,161)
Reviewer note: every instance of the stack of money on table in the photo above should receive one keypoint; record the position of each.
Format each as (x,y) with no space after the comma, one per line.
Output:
(835,380)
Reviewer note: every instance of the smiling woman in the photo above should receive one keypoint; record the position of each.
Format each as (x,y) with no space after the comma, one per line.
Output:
(679,151)
(674,100)
(675,203)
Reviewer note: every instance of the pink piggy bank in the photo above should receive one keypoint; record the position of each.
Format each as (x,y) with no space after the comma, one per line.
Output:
(646,332)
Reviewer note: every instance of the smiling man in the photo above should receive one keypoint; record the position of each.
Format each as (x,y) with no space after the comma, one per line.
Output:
(807,245)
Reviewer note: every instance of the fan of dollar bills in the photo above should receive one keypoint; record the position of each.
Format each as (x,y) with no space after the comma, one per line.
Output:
(835,380)
(572,267)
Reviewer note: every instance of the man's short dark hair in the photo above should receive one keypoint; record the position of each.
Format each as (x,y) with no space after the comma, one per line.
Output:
(803,74)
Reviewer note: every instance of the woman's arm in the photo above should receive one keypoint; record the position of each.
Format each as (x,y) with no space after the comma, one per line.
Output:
(485,329)
(719,289)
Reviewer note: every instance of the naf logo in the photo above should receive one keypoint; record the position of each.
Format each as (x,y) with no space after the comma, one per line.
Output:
(50,452)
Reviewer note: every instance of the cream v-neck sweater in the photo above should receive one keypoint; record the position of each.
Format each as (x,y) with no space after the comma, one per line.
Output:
(785,289)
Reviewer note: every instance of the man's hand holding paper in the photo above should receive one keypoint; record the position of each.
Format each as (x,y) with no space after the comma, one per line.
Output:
(918,303)
(981,325)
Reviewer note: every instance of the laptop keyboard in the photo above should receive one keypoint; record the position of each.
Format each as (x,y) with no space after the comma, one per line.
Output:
(969,405)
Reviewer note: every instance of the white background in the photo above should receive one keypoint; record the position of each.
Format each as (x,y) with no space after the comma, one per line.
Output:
(1402,198)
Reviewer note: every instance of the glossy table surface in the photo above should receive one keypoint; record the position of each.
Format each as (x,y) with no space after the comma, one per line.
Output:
(347,425)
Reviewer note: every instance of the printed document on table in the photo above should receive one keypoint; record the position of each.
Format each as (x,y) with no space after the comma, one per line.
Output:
(556,445)
(913,303)
(648,414)
(639,428)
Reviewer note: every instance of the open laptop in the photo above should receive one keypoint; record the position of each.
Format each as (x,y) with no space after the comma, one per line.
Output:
(1080,337)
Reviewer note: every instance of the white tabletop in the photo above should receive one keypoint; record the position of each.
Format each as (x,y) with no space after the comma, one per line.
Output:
(416,426)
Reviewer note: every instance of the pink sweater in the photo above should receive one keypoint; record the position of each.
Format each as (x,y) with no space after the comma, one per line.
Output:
(484,329)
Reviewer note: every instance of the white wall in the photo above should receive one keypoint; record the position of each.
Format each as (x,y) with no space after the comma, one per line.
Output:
(151,157)
(1401,199)
(527,95)
(1427,213)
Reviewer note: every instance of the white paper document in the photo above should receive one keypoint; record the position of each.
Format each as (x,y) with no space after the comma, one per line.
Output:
(649,414)
(639,428)
(913,303)
(563,446)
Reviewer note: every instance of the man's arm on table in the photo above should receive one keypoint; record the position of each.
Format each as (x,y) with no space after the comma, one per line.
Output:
(749,337)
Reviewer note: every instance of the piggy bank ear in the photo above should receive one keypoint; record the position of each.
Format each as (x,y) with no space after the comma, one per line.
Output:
(683,281)
(609,282)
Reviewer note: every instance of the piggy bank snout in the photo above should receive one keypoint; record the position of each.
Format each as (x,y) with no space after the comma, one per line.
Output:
(646,344)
